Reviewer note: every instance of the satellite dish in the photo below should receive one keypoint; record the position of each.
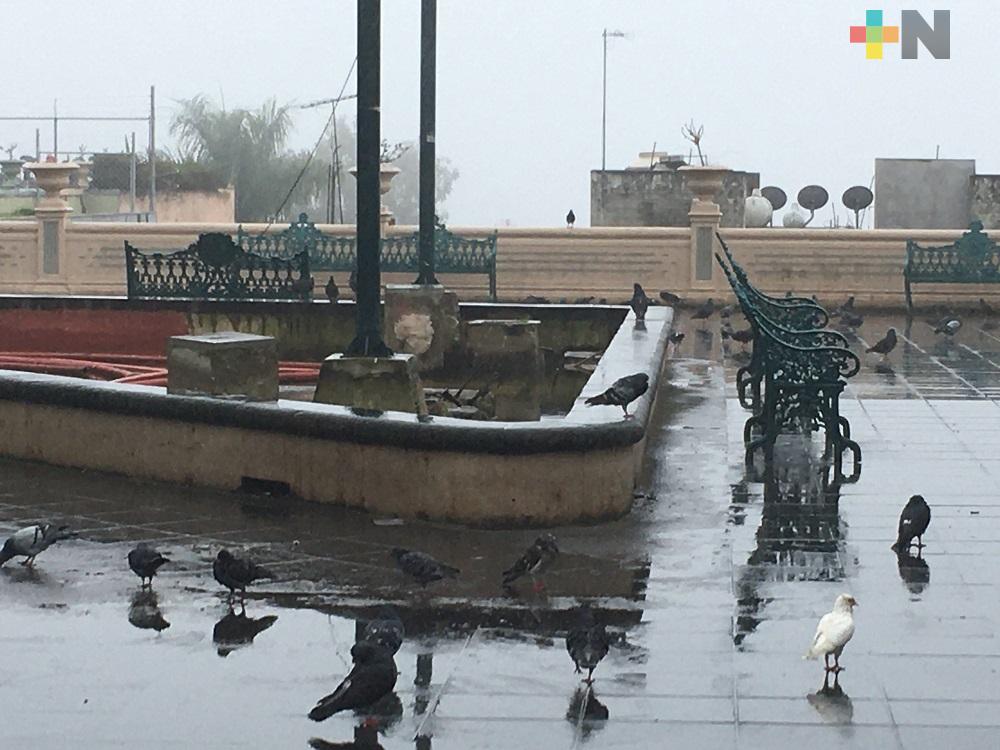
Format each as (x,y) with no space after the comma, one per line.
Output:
(812,198)
(775,196)
(857,198)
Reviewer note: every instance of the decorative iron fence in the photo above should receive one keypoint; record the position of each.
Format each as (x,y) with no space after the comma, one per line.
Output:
(215,267)
(452,253)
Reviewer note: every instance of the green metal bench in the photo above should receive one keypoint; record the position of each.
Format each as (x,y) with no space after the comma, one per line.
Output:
(973,258)
(452,253)
(791,314)
(797,383)
(215,267)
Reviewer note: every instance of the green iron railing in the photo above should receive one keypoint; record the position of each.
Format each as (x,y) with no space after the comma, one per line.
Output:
(327,252)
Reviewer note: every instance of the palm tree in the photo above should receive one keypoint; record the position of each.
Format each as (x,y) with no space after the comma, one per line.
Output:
(243,145)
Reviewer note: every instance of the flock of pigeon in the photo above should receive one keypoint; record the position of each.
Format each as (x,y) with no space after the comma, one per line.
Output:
(373,676)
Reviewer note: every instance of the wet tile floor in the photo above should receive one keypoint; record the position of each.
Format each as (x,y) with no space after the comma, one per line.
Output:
(712,588)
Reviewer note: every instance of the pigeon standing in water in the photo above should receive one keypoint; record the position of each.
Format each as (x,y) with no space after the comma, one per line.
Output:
(913,522)
(332,290)
(622,392)
(535,561)
(570,219)
(385,630)
(949,327)
(421,567)
(834,631)
(885,345)
(32,540)
(145,561)
(705,310)
(235,573)
(639,302)
(373,677)
(587,643)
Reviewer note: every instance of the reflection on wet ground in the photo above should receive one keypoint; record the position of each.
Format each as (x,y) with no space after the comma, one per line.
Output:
(710,591)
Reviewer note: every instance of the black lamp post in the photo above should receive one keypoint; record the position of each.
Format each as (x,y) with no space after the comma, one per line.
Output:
(368,336)
(428,85)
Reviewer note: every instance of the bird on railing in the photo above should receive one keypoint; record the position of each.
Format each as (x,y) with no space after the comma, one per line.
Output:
(332,290)
(570,219)
(639,302)
(622,392)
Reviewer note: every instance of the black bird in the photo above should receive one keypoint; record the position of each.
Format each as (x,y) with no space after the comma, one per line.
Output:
(913,522)
(145,561)
(884,345)
(851,319)
(332,290)
(304,285)
(533,299)
(534,561)
(235,573)
(234,631)
(639,302)
(847,307)
(144,611)
(587,643)
(570,219)
(676,337)
(669,297)
(949,327)
(352,281)
(622,392)
(373,677)
(743,336)
(705,310)
(727,311)
(421,567)
(385,630)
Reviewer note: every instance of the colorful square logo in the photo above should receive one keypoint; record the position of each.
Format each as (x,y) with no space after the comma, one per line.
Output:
(873,34)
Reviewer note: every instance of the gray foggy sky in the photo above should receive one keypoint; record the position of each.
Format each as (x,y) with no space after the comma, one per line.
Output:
(776,84)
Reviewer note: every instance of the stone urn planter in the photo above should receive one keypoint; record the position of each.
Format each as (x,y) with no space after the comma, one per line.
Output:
(386,173)
(795,217)
(11,168)
(757,210)
(705,182)
(53,178)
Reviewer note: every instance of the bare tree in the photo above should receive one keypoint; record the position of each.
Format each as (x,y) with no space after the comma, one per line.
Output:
(693,134)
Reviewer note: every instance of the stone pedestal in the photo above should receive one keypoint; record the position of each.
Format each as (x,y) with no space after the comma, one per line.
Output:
(505,353)
(421,320)
(375,383)
(704,215)
(226,365)
(51,213)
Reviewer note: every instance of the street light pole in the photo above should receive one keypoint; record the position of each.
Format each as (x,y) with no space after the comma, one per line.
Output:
(368,336)
(428,85)
(604,97)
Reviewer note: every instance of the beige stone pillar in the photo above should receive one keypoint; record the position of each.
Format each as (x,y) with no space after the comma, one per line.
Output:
(704,215)
(52,214)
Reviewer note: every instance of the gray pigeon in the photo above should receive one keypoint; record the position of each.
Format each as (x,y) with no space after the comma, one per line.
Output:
(913,522)
(372,678)
(535,560)
(145,561)
(235,573)
(704,310)
(32,540)
(639,302)
(622,392)
(385,630)
(669,297)
(587,643)
(949,327)
(421,567)
(851,319)
(884,345)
